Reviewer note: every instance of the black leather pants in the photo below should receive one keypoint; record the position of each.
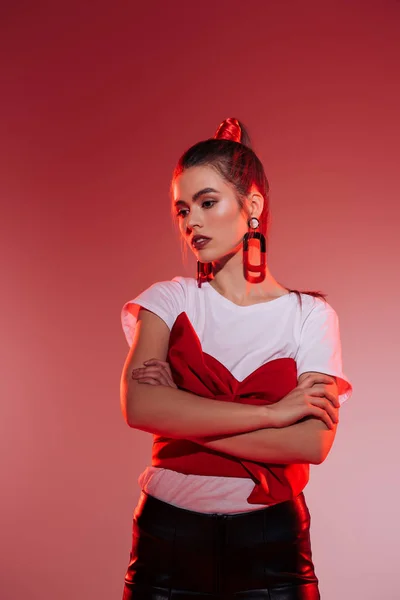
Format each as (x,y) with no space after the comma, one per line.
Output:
(178,553)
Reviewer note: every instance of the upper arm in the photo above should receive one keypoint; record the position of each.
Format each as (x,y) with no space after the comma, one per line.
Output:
(150,340)
(166,299)
(324,437)
(146,321)
(319,346)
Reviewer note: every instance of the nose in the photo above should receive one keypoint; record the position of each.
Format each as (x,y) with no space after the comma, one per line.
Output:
(193,220)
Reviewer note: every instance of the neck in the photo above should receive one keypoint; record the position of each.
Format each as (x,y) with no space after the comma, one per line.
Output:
(229,280)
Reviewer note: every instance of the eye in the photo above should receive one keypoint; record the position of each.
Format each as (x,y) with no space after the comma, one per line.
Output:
(182,212)
(207,201)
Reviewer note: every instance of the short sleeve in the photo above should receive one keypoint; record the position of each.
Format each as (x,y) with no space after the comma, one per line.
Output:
(320,347)
(164,298)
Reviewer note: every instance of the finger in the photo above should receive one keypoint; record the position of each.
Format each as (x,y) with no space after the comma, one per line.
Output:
(334,398)
(323,391)
(141,373)
(169,378)
(332,392)
(327,420)
(310,380)
(325,405)
(149,380)
(321,414)
(157,373)
(154,361)
(165,376)
(321,386)
(163,364)
(167,370)
(330,409)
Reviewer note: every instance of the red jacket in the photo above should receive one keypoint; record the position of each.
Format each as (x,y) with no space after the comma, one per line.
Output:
(200,373)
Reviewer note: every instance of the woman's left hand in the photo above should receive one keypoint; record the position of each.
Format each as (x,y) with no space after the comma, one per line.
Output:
(156,372)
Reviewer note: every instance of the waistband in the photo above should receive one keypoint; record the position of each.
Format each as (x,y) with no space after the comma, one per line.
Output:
(171,511)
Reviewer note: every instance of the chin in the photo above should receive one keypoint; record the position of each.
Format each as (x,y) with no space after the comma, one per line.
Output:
(206,256)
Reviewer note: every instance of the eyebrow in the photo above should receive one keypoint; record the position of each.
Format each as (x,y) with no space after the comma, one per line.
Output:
(197,195)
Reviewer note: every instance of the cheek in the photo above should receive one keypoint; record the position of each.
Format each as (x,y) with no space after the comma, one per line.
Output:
(224,211)
(227,220)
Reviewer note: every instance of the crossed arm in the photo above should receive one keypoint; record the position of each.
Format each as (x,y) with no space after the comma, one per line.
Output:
(307,441)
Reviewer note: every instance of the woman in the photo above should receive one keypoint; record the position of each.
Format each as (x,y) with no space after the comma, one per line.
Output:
(240,380)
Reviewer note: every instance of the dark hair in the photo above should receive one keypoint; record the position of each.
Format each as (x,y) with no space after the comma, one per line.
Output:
(230,153)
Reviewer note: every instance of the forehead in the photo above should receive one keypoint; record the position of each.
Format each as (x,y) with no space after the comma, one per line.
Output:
(194,179)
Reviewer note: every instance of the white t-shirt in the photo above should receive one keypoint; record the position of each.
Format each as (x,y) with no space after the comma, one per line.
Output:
(242,338)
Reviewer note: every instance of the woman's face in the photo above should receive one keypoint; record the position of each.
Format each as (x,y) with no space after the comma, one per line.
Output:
(205,204)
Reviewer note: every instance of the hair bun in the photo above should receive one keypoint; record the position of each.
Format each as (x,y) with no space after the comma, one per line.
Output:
(229,129)
(233,130)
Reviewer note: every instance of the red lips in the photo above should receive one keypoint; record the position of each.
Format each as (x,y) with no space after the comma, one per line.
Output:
(197,237)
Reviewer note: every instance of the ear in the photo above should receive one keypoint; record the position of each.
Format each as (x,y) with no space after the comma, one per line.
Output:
(255,203)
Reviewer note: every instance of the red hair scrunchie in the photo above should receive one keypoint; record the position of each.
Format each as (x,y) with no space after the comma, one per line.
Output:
(229,130)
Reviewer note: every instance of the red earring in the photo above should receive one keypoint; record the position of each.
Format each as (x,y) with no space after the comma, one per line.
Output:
(253,224)
(205,269)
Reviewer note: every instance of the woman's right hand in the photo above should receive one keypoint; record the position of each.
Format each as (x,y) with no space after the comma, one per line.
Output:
(312,397)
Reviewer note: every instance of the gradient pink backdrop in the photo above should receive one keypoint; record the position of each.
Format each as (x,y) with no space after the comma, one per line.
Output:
(97,103)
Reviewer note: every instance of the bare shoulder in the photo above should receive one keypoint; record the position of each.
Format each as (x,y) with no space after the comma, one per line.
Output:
(150,340)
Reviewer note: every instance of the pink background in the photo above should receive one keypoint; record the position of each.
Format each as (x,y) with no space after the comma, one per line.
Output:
(97,103)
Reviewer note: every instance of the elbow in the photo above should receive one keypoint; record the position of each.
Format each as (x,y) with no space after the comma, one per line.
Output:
(137,409)
(317,457)
(128,403)
(320,440)
(131,419)
(127,417)
(127,412)
(321,450)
